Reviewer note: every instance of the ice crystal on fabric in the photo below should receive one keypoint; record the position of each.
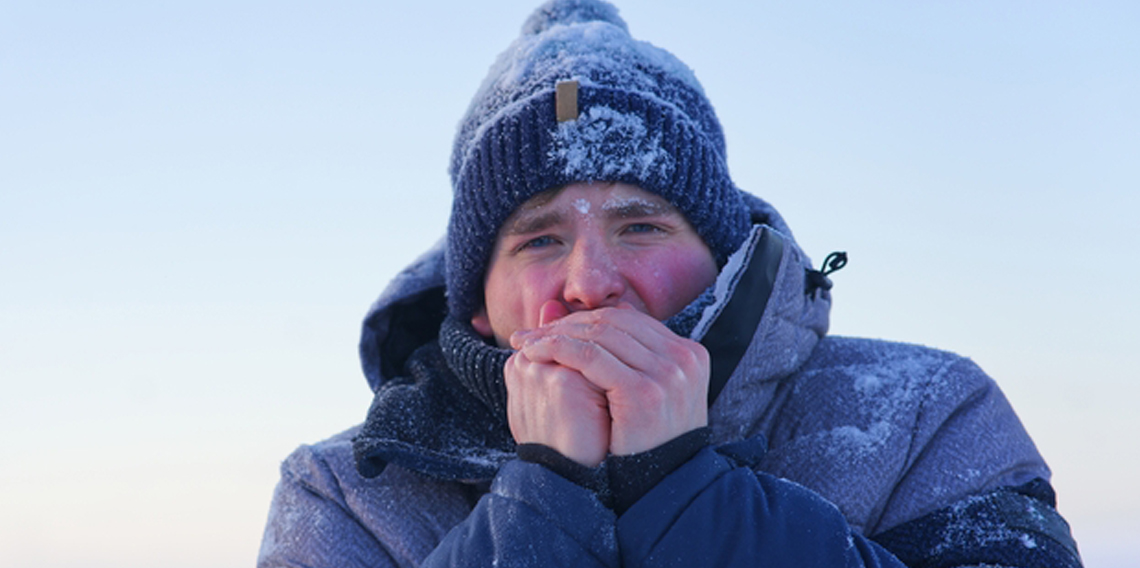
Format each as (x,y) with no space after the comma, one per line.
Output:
(596,53)
(606,144)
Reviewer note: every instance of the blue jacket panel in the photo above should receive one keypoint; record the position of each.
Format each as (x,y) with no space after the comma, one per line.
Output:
(713,512)
(710,512)
(532,517)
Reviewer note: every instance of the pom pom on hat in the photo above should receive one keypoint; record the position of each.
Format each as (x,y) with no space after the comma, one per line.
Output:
(639,117)
(571,12)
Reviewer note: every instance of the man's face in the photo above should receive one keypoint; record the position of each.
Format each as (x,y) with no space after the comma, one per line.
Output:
(592,246)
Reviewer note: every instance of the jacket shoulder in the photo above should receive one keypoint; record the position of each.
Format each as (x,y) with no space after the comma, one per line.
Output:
(322,466)
(891,431)
(325,513)
(856,353)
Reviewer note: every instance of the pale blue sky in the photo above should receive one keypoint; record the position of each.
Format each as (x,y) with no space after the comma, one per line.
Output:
(199,200)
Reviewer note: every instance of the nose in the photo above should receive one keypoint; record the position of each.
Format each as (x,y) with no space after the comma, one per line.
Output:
(593,279)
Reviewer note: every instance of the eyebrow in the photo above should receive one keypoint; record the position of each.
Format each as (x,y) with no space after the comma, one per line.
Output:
(527,222)
(635,208)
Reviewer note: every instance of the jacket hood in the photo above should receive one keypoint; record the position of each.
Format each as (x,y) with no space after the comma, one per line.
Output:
(411,308)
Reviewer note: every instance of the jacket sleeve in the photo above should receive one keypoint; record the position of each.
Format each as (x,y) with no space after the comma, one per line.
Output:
(1011,526)
(532,517)
(976,492)
(714,512)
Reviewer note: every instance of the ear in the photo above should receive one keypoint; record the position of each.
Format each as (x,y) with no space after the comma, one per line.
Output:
(482,323)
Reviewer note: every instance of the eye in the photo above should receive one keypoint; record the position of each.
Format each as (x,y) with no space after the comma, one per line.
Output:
(642,228)
(537,242)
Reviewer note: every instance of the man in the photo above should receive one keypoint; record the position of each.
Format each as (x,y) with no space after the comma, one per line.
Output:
(619,358)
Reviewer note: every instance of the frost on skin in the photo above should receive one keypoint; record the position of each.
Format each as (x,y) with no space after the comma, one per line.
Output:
(625,203)
(582,205)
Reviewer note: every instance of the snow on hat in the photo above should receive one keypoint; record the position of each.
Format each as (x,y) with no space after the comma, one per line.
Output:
(576,99)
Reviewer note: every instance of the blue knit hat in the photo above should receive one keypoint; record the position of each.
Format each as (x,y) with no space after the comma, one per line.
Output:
(576,99)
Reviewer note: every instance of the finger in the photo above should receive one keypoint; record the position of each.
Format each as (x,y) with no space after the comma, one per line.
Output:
(556,406)
(595,363)
(551,311)
(624,315)
(613,329)
(620,344)
(614,358)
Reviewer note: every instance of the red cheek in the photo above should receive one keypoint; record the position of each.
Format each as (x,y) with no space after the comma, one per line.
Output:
(669,282)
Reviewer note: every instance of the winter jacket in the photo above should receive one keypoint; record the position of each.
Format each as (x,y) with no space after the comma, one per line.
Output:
(827,451)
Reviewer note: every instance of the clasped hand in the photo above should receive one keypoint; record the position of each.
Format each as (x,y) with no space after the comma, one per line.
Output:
(611,380)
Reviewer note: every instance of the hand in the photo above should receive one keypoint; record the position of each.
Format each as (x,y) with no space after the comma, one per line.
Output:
(655,382)
(556,406)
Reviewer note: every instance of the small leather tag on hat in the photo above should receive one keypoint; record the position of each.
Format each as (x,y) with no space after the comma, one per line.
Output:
(566,100)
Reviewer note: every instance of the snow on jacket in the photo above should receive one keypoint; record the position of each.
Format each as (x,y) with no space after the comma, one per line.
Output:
(828,451)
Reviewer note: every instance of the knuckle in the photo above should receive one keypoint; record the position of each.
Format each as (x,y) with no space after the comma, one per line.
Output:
(588,351)
(679,352)
(555,382)
(590,316)
(647,392)
(691,355)
(578,350)
(595,329)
